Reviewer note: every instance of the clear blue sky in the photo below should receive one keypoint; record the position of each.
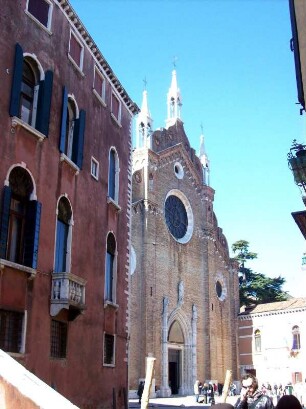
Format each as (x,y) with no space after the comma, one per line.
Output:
(236,75)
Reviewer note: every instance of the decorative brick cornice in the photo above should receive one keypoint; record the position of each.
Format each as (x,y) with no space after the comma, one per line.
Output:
(92,46)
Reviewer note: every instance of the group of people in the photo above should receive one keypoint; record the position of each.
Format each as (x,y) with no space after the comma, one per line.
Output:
(206,390)
(252,396)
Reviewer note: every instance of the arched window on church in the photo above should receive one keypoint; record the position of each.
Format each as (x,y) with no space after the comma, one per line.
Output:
(296,339)
(257,336)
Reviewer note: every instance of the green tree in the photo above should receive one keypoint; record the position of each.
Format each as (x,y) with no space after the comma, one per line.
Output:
(256,288)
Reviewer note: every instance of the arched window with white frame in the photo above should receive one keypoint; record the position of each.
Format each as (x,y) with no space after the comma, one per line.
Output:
(71,141)
(20,219)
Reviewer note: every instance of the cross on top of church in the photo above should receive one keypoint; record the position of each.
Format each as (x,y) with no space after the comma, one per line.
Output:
(174,61)
(145,83)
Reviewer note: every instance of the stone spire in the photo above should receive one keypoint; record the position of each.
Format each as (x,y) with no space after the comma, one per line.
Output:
(204,160)
(174,101)
(144,123)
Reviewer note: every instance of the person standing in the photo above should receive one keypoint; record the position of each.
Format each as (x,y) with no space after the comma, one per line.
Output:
(251,397)
(196,390)
(210,393)
(205,392)
(140,391)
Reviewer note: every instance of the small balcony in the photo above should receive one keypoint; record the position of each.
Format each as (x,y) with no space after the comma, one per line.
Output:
(68,292)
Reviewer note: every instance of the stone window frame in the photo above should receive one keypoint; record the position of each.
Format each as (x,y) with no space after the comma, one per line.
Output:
(94,168)
(58,339)
(79,66)
(112,359)
(188,235)
(101,95)
(36,19)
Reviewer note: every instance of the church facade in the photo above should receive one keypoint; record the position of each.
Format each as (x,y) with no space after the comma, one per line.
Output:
(184,297)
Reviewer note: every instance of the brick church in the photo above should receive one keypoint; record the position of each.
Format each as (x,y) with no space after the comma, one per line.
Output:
(184,287)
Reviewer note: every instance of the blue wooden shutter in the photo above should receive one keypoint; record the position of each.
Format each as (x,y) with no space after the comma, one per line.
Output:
(62,141)
(109,276)
(5,217)
(62,230)
(112,174)
(78,139)
(44,104)
(296,50)
(17,79)
(31,234)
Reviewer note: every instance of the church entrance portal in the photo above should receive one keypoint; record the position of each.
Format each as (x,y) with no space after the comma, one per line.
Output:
(174,359)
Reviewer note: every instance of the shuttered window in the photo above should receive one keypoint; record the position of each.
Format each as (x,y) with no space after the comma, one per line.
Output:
(20,221)
(110,268)
(30,96)
(27,93)
(71,141)
(112,174)
(61,246)
(62,231)
(16,230)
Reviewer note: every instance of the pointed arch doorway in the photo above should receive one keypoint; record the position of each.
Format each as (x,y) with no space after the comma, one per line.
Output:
(178,358)
(176,343)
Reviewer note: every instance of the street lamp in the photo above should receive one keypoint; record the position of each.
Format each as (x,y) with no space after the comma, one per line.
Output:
(297,164)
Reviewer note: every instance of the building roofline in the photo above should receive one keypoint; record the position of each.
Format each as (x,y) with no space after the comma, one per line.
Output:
(88,40)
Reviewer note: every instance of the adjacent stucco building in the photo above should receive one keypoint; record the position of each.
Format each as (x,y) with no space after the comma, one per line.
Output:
(272,341)
(65,176)
(184,287)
